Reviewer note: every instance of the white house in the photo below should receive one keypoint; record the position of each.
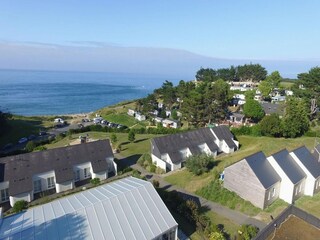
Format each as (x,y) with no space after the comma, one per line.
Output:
(131,112)
(58,120)
(140,117)
(170,152)
(158,119)
(292,176)
(224,139)
(128,209)
(310,166)
(54,170)
(169,123)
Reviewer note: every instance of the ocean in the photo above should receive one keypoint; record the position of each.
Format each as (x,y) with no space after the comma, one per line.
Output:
(32,93)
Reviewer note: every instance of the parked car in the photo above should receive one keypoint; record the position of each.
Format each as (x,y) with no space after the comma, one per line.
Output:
(42,133)
(23,140)
(31,137)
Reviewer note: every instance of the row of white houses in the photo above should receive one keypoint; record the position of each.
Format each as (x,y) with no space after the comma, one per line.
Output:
(22,176)
(285,175)
(170,152)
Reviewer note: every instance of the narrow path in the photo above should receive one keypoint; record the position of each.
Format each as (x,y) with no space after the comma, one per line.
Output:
(233,215)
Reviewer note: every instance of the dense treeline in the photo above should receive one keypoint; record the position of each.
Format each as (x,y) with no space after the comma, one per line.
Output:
(247,72)
(206,100)
(4,122)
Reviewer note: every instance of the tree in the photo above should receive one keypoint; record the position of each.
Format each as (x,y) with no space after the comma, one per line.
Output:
(247,232)
(131,136)
(251,72)
(252,109)
(113,138)
(198,164)
(271,125)
(250,94)
(206,75)
(19,206)
(295,121)
(174,114)
(4,117)
(193,108)
(265,88)
(311,83)
(30,146)
(216,236)
(274,79)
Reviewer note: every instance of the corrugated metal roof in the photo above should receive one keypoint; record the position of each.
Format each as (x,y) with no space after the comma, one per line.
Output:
(289,166)
(129,208)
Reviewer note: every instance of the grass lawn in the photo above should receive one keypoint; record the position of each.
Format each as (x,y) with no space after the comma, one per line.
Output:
(140,146)
(21,126)
(249,145)
(286,85)
(310,204)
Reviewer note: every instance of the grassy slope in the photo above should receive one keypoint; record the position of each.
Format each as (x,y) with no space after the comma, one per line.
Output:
(249,145)
(23,127)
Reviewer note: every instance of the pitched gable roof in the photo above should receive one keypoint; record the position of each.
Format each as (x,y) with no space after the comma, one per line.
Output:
(19,169)
(223,133)
(289,166)
(308,160)
(172,144)
(129,208)
(262,169)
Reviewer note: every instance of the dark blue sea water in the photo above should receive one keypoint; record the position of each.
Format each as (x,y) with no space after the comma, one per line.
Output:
(32,93)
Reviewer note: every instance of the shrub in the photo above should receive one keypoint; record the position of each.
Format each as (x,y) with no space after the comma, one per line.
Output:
(247,232)
(95,181)
(131,136)
(198,164)
(160,171)
(155,183)
(30,146)
(19,206)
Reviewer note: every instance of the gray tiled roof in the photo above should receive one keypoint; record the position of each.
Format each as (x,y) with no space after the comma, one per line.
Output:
(308,160)
(172,144)
(289,166)
(263,169)
(223,133)
(19,169)
(270,108)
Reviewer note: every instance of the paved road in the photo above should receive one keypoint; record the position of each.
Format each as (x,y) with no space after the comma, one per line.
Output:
(233,215)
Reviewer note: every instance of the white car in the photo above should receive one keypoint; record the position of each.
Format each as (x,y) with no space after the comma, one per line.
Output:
(23,140)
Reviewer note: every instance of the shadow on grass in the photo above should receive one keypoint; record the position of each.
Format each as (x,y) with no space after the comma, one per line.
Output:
(213,164)
(128,161)
(141,140)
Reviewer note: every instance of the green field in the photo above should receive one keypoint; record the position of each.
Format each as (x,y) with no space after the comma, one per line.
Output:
(249,145)
(20,126)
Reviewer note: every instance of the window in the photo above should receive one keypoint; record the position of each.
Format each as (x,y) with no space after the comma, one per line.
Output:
(269,195)
(273,192)
(37,186)
(297,188)
(51,183)
(87,173)
(77,175)
(4,195)
(300,187)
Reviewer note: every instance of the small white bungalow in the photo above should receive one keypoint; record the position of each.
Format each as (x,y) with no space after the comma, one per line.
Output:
(140,117)
(169,123)
(310,166)
(224,139)
(292,176)
(131,112)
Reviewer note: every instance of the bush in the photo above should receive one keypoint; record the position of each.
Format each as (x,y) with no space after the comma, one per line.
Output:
(19,206)
(30,146)
(155,183)
(198,164)
(95,181)
(247,232)
(160,171)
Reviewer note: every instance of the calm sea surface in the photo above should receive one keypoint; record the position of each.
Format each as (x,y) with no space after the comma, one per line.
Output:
(51,93)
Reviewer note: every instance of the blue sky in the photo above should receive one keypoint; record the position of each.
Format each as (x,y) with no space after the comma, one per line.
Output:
(246,29)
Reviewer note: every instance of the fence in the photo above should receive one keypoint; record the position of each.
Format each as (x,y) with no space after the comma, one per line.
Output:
(291,210)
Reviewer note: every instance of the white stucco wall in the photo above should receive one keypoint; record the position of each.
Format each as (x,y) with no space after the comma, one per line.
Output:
(43,177)
(310,180)
(158,162)
(61,187)
(28,196)
(286,187)
(81,167)
(101,175)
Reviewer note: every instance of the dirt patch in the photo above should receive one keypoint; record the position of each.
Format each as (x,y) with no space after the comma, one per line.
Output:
(295,228)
